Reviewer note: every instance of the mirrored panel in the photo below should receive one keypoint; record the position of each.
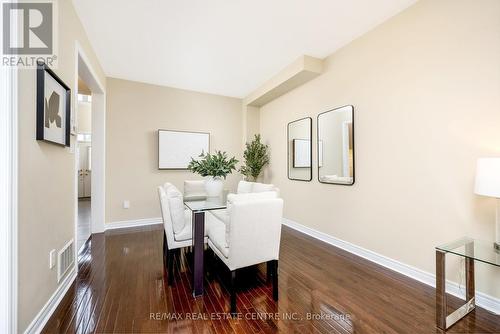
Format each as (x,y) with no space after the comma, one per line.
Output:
(300,149)
(336,146)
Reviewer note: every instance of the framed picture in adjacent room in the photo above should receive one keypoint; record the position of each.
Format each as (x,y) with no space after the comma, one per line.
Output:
(301,153)
(53,107)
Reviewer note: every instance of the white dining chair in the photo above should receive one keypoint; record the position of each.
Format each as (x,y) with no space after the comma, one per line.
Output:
(177,223)
(245,187)
(249,235)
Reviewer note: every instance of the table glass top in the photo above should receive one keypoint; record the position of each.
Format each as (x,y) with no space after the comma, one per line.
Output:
(479,250)
(207,203)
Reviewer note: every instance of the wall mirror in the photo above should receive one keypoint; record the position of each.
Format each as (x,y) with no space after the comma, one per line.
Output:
(336,146)
(299,135)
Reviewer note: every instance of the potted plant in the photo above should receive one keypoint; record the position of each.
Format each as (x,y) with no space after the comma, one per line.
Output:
(256,157)
(214,167)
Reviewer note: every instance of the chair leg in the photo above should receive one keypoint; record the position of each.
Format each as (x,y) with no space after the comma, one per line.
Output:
(209,268)
(170,266)
(233,293)
(165,249)
(269,270)
(275,279)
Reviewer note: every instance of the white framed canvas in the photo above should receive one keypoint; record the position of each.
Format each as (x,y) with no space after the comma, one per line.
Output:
(176,148)
(301,153)
(53,107)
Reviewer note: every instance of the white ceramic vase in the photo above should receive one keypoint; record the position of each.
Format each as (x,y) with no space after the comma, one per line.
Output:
(214,186)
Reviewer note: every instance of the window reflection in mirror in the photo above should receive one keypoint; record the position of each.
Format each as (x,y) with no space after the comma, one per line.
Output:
(300,149)
(336,146)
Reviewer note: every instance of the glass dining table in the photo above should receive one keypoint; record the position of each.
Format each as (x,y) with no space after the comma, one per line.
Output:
(198,207)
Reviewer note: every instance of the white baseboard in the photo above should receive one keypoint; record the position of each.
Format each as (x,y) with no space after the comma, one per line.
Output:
(132,223)
(36,326)
(483,300)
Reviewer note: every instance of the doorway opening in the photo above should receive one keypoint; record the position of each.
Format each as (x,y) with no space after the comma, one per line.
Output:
(89,148)
(83,154)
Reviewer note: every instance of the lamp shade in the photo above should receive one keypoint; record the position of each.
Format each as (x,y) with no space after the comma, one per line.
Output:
(488,177)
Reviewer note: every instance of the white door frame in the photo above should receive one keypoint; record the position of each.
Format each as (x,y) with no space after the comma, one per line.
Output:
(83,69)
(8,199)
(8,192)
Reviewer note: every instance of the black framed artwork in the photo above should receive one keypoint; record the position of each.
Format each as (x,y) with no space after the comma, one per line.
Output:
(53,107)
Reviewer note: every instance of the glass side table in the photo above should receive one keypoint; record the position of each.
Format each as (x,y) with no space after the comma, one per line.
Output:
(472,250)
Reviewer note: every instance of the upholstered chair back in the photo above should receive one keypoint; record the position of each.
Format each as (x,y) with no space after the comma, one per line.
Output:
(255,231)
(194,189)
(165,213)
(245,187)
(176,207)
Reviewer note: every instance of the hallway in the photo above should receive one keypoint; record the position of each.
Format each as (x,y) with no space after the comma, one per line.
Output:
(84,229)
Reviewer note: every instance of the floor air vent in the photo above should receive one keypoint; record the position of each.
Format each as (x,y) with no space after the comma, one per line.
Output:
(66,258)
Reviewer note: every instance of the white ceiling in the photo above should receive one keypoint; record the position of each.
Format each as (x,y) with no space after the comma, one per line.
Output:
(226,47)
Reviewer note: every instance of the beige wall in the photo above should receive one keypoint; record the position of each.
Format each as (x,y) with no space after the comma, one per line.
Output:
(135,112)
(425,86)
(252,125)
(46,178)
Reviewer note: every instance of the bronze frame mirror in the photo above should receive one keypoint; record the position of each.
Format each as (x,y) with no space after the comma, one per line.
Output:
(299,149)
(335,146)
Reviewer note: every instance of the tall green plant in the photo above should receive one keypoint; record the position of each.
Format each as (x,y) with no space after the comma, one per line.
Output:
(215,165)
(256,157)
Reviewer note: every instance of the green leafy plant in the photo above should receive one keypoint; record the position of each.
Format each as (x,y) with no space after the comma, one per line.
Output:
(256,157)
(215,165)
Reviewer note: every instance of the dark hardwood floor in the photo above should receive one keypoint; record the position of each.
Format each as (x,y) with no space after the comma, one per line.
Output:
(122,288)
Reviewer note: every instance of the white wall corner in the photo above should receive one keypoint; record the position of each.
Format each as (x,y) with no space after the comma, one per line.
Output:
(483,300)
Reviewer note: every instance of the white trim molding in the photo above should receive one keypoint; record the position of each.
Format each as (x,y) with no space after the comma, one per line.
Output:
(483,300)
(133,223)
(36,326)
(8,197)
